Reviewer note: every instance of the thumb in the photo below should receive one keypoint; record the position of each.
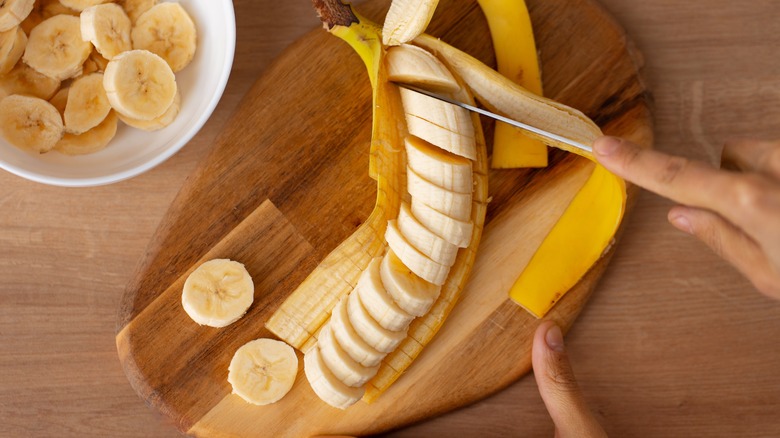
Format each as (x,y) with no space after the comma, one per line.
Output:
(558,388)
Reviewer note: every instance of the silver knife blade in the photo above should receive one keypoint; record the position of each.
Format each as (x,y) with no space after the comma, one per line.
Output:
(521,125)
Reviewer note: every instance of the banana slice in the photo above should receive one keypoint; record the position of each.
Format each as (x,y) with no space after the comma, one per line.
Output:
(107,27)
(378,302)
(99,60)
(375,335)
(139,84)
(410,292)
(412,65)
(339,362)
(96,139)
(452,230)
(55,48)
(442,168)
(136,8)
(24,80)
(13,12)
(60,100)
(80,5)
(87,104)
(416,261)
(454,205)
(325,384)
(407,19)
(439,123)
(30,123)
(263,371)
(158,123)
(51,8)
(35,18)
(425,240)
(218,293)
(12,44)
(167,30)
(350,340)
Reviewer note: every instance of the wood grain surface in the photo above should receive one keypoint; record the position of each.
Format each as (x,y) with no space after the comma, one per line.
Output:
(673,343)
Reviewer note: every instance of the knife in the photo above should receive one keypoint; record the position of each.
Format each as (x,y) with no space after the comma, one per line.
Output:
(521,125)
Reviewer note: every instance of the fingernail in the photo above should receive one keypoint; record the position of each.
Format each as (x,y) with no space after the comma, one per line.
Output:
(682,223)
(607,146)
(554,339)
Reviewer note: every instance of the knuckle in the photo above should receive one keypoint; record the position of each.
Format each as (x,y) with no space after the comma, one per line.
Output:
(561,374)
(672,169)
(631,158)
(750,193)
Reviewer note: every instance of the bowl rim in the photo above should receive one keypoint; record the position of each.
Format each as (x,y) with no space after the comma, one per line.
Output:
(224,75)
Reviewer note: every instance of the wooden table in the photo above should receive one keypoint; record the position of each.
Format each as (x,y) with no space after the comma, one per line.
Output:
(674,343)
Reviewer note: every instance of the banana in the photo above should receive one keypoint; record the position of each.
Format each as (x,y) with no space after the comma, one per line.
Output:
(346,336)
(87,104)
(167,30)
(12,44)
(407,19)
(263,371)
(99,60)
(456,232)
(375,335)
(107,27)
(454,205)
(417,262)
(325,384)
(13,12)
(413,65)
(340,363)
(24,80)
(378,302)
(217,293)
(410,292)
(80,5)
(439,123)
(158,123)
(30,123)
(136,8)
(139,84)
(424,240)
(94,140)
(35,18)
(51,8)
(55,48)
(442,168)
(60,100)
(88,68)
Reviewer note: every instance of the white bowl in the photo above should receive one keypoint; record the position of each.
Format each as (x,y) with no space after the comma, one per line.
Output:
(132,151)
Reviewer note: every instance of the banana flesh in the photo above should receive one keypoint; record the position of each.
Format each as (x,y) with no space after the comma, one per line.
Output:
(369,329)
(438,166)
(452,204)
(136,8)
(80,5)
(343,366)
(425,240)
(13,12)
(60,100)
(94,140)
(55,47)
(263,371)
(87,105)
(412,65)
(30,123)
(107,27)
(157,123)
(410,292)
(407,19)
(378,302)
(325,384)
(218,293)
(168,31)
(452,230)
(346,336)
(139,84)
(12,44)
(22,79)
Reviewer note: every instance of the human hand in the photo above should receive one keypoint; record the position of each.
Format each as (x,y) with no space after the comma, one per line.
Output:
(559,389)
(734,212)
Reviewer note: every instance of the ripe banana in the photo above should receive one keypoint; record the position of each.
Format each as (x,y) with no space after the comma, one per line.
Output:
(107,27)
(30,123)
(412,65)
(60,100)
(35,18)
(91,141)
(375,335)
(263,371)
(454,205)
(87,104)
(325,384)
(340,363)
(139,84)
(158,123)
(13,12)
(377,302)
(425,240)
(136,8)
(442,168)
(407,19)
(55,48)
(452,230)
(167,30)
(80,5)
(417,262)
(350,341)
(410,292)
(12,44)
(217,293)
(24,80)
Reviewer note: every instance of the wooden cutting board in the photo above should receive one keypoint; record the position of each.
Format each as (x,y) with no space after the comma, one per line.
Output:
(287,181)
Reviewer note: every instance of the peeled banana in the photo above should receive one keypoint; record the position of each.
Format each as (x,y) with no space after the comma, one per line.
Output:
(407,19)
(410,292)
(452,230)
(218,293)
(412,65)
(453,204)
(13,12)
(425,240)
(136,8)
(168,31)
(439,123)
(446,170)
(326,385)
(107,27)
(139,84)
(22,79)
(263,371)
(159,122)
(12,44)
(91,141)
(378,302)
(345,334)
(343,366)
(30,123)
(80,5)
(417,262)
(87,104)
(55,48)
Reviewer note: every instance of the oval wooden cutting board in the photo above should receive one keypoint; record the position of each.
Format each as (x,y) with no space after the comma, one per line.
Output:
(287,181)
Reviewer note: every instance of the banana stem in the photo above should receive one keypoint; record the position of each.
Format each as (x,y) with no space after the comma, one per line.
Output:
(334,13)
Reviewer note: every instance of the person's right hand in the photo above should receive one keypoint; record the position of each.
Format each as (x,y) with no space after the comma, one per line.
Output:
(735,212)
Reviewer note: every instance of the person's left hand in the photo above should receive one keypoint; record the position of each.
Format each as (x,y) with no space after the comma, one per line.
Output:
(558,388)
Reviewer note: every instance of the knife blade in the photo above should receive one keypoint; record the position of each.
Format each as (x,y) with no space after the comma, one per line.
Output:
(515,123)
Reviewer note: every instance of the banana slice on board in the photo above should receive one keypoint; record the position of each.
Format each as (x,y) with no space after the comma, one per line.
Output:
(456,232)
(340,363)
(382,339)
(80,5)
(167,30)
(107,27)
(55,48)
(438,166)
(378,302)
(13,12)
(454,205)
(410,292)
(96,139)
(218,293)
(158,123)
(22,79)
(136,8)
(350,340)
(409,64)
(30,123)
(326,385)
(263,371)
(425,240)
(416,261)
(139,84)
(87,104)
(407,19)
(12,44)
